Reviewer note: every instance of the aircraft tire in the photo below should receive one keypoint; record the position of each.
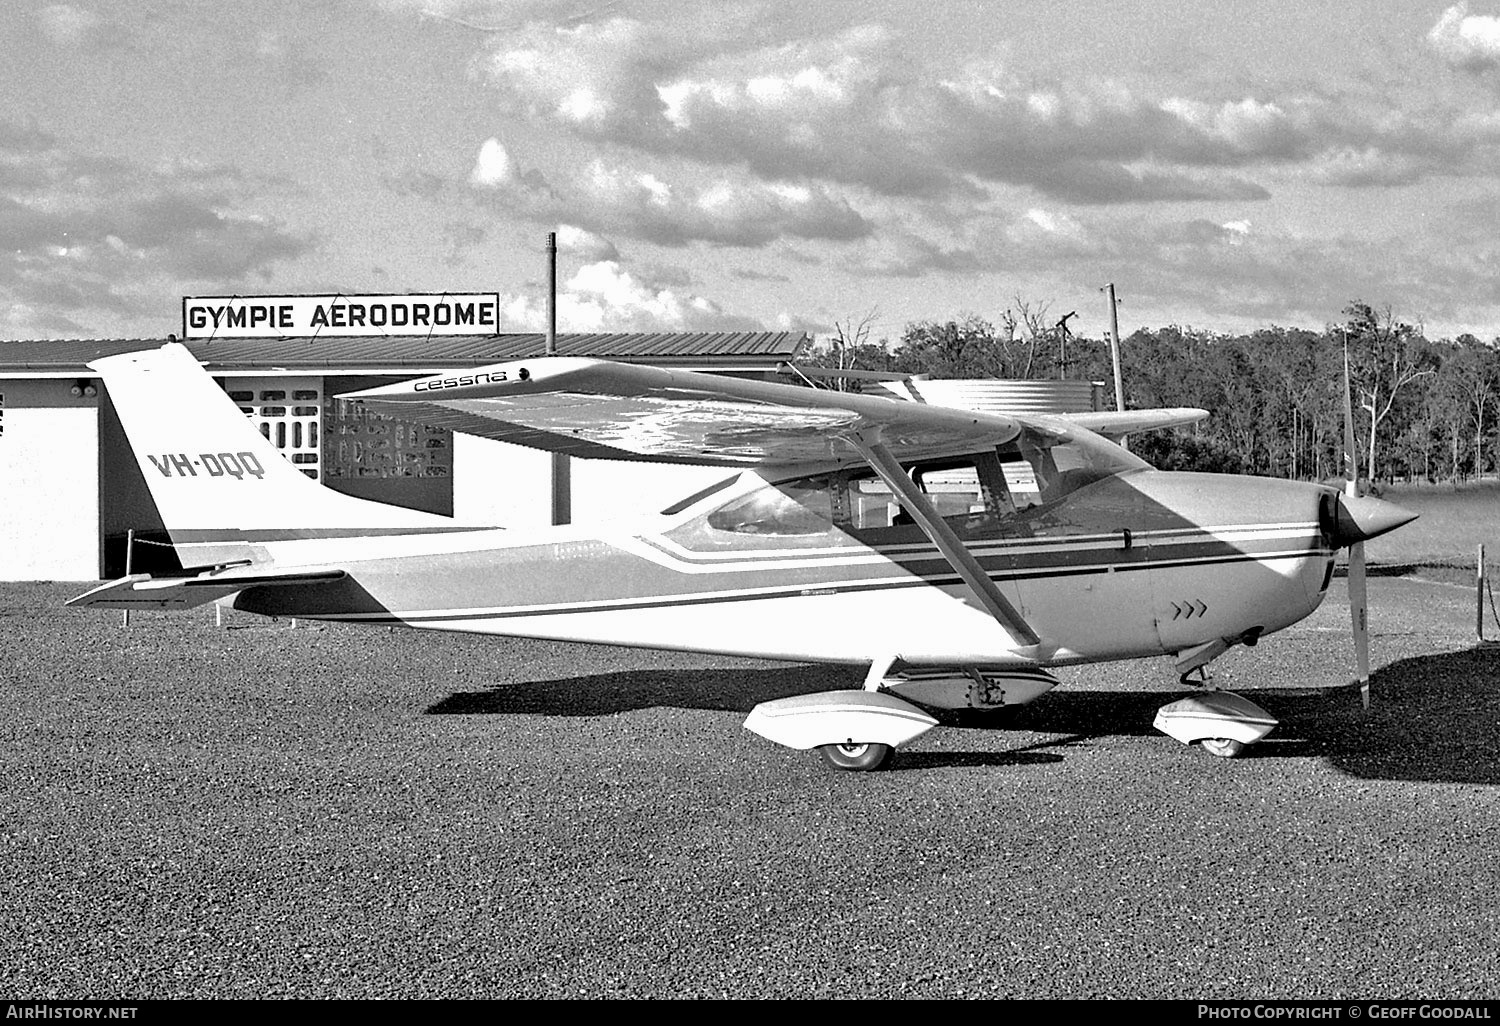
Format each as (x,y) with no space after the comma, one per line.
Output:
(858,757)
(1223,747)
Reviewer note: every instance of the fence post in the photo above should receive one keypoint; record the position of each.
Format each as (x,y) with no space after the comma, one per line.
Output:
(129,551)
(1479,595)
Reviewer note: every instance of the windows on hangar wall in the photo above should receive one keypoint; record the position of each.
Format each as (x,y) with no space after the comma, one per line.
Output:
(289,413)
(338,443)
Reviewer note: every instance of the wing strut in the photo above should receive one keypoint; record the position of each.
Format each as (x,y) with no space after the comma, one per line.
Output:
(948,543)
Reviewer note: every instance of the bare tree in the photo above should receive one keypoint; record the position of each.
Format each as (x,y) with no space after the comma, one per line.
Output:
(1389,355)
(852,349)
(1028,320)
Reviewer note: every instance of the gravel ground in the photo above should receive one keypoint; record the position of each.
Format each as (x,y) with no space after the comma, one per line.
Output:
(260,811)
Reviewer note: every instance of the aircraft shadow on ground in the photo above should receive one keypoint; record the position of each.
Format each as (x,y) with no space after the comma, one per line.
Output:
(602,694)
(1433,717)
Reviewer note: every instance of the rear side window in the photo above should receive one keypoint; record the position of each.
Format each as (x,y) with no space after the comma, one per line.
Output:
(699,496)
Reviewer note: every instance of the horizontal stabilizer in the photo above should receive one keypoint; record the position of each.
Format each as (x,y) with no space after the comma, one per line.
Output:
(142,591)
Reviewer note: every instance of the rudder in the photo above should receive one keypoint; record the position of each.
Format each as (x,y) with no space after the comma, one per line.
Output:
(213,476)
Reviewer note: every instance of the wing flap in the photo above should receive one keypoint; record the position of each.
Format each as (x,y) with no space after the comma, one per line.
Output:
(598,408)
(142,591)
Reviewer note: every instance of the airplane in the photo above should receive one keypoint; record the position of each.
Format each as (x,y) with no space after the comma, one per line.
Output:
(958,555)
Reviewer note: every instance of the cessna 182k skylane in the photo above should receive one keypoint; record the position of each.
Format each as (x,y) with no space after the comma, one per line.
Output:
(957,554)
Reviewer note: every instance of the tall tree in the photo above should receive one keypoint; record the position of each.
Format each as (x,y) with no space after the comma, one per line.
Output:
(1474,370)
(968,348)
(1386,356)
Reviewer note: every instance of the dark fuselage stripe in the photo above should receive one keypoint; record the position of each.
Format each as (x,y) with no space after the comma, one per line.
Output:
(222,536)
(922,581)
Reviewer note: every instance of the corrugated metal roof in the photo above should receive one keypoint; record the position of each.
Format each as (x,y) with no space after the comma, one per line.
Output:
(705,348)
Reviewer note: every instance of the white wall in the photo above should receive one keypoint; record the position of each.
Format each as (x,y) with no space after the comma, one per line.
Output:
(497,484)
(609,489)
(49,483)
(505,485)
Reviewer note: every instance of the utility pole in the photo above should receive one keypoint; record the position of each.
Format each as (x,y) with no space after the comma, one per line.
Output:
(1114,344)
(1114,352)
(562,470)
(1062,340)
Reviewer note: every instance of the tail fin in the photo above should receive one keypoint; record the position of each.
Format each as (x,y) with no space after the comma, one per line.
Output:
(216,481)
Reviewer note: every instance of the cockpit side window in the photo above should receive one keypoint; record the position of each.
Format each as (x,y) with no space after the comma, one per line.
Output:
(990,493)
(804,506)
(969,492)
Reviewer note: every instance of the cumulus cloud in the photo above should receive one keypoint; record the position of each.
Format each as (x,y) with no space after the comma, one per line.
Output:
(609,198)
(581,242)
(71,27)
(492,167)
(604,297)
(1370,166)
(1469,42)
(86,235)
(850,108)
(853,109)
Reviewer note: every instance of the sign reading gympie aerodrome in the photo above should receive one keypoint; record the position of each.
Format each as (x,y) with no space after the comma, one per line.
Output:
(206,317)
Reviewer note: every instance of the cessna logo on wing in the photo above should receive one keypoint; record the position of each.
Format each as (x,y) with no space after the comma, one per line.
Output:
(224,464)
(459,382)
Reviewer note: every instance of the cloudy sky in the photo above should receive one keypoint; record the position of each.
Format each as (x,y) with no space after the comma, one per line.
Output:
(780,164)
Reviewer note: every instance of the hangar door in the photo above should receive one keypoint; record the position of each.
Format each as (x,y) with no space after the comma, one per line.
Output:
(49,482)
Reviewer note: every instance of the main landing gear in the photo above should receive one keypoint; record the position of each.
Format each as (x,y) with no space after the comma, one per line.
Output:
(860,757)
(860,730)
(1223,722)
(1222,747)
(854,730)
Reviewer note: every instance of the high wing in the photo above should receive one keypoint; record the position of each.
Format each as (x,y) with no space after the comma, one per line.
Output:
(598,408)
(1115,424)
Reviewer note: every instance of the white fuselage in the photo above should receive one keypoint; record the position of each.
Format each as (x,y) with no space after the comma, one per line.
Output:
(1139,564)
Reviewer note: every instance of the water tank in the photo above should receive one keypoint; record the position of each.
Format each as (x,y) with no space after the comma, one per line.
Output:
(1000,395)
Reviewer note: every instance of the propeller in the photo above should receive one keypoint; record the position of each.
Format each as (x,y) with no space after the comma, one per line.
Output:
(1353,519)
(1359,610)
